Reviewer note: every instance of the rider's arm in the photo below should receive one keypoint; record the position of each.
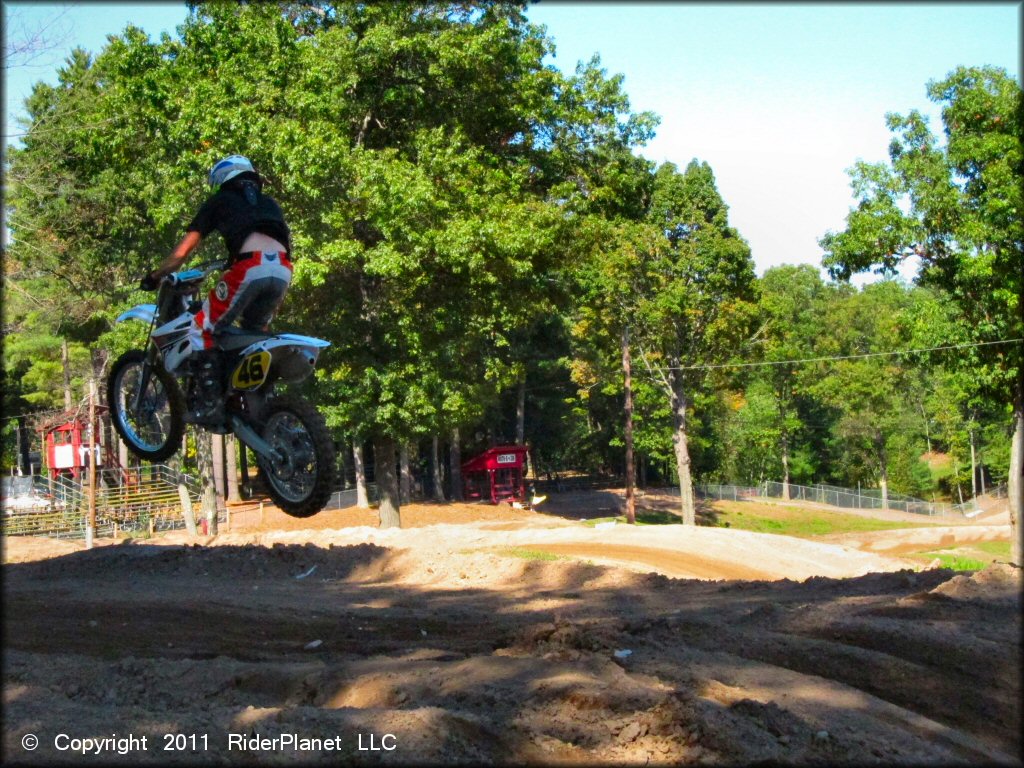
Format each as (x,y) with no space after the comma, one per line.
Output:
(181,252)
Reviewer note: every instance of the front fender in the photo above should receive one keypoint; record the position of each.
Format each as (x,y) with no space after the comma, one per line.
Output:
(143,312)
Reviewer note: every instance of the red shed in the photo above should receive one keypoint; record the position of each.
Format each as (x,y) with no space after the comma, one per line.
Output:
(496,475)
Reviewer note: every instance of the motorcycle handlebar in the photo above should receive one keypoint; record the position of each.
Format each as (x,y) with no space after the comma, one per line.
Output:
(200,271)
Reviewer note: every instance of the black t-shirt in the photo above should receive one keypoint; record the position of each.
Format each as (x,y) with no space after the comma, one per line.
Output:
(235,218)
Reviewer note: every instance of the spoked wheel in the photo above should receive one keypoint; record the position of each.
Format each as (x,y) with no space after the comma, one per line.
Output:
(146,407)
(301,478)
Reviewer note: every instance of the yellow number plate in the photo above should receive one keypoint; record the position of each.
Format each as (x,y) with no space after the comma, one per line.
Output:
(252,371)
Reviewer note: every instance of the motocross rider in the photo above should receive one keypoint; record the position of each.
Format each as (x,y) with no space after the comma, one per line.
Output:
(253,285)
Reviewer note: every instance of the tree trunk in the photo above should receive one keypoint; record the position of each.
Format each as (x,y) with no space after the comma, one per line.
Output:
(974,471)
(404,475)
(785,467)
(217,442)
(231,454)
(362,500)
(883,469)
(521,412)
(436,471)
(927,431)
(680,446)
(342,469)
(204,458)
(1015,482)
(243,469)
(65,361)
(455,462)
(387,482)
(627,376)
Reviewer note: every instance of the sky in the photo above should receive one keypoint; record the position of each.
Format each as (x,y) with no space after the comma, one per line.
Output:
(779,99)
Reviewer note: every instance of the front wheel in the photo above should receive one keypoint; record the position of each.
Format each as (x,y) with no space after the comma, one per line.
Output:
(300,481)
(146,406)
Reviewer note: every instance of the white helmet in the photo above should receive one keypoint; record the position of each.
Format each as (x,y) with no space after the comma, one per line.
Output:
(228,168)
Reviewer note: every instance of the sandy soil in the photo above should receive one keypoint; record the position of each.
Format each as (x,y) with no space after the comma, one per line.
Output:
(629,646)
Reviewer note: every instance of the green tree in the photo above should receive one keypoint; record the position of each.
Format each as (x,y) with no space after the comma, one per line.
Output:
(791,307)
(432,167)
(962,219)
(867,385)
(697,303)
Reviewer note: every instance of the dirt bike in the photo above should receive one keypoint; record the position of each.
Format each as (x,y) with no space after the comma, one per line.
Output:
(293,448)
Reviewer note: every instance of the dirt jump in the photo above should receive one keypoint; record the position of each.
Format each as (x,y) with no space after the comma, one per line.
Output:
(489,635)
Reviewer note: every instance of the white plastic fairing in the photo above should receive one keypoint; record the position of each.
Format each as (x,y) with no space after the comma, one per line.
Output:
(294,356)
(172,338)
(143,312)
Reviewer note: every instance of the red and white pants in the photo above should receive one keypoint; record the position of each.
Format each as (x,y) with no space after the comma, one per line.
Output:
(251,289)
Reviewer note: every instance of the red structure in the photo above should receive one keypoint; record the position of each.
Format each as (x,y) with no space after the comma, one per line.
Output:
(67,447)
(496,475)
(66,444)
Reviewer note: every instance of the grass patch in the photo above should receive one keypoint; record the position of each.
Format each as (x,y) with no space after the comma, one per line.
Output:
(1000,550)
(967,557)
(530,554)
(801,522)
(954,561)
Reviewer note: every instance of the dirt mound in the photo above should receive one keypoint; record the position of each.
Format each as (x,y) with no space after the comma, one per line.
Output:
(459,652)
(998,583)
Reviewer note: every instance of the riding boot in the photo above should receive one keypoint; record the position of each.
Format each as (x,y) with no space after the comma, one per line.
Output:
(208,388)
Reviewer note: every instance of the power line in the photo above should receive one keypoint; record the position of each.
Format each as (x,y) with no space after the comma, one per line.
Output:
(837,357)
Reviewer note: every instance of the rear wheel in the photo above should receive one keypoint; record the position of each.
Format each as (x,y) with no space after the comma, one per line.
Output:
(301,481)
(151,423)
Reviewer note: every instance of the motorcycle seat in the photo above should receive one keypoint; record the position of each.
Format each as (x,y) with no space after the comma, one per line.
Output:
(232,339)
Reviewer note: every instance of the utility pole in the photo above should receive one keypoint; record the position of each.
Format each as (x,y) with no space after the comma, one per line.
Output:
(90,527)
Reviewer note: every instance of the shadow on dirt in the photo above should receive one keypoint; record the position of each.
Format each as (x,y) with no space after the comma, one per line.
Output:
(651,508)
(554,661)
(582,505)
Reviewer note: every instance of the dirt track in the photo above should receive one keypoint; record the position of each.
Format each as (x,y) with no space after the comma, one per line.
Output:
(439,635)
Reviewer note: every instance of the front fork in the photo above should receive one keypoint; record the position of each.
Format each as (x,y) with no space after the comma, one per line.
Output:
(151,357)
(147,371)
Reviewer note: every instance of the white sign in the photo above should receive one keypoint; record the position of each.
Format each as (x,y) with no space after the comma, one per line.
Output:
(506,458)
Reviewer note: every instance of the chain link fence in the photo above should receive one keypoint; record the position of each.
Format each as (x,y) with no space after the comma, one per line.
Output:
(141,501)
(833,496)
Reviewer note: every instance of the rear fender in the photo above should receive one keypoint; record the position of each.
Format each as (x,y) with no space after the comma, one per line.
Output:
(288,356)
